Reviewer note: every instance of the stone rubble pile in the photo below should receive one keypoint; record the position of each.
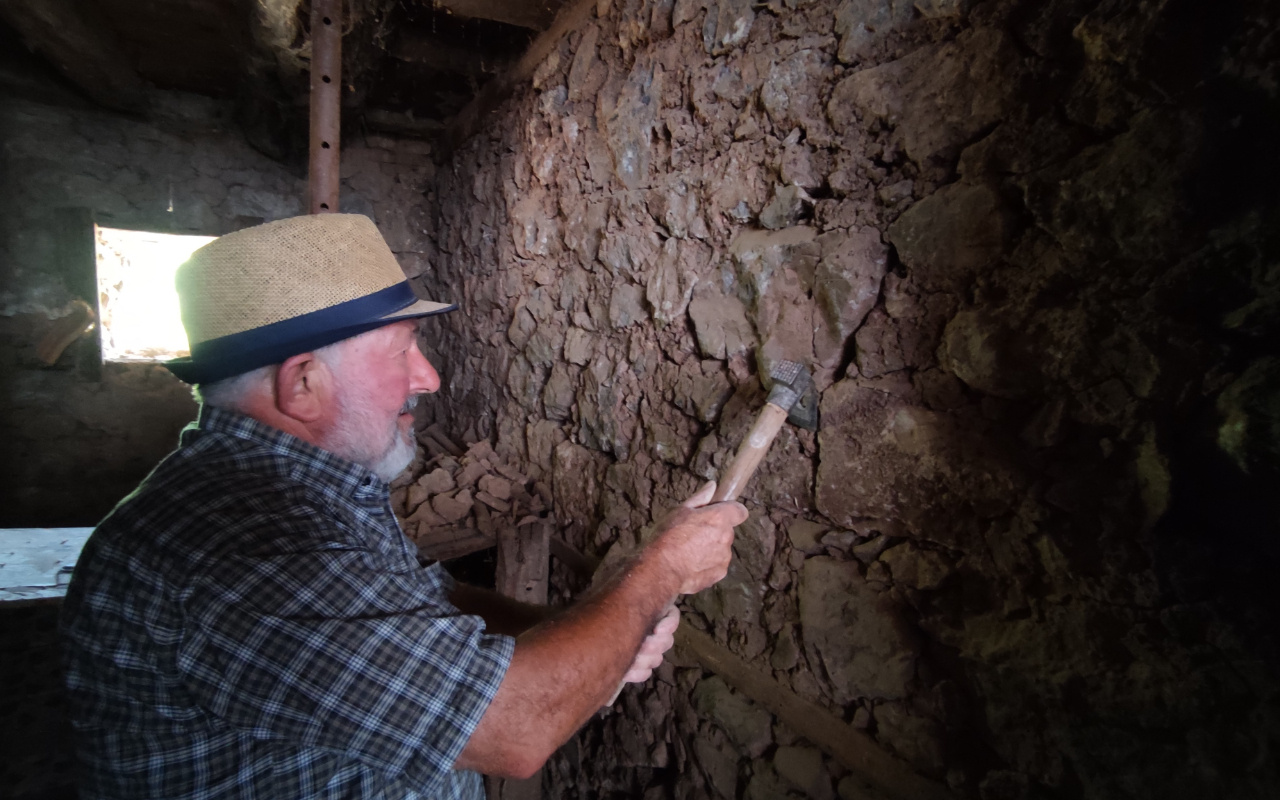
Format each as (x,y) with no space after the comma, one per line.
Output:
(453,501)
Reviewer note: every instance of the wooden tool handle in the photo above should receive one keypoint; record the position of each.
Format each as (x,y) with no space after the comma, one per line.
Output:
(750,452)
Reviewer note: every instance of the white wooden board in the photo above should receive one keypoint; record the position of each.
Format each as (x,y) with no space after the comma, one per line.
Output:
(31,559)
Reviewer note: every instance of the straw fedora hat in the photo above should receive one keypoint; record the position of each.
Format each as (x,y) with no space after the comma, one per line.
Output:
(258,296)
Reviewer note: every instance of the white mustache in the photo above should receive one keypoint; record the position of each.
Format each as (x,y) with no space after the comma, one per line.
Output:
(410,404)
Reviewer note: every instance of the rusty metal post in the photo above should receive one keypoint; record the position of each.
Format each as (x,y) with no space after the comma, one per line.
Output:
(326,105)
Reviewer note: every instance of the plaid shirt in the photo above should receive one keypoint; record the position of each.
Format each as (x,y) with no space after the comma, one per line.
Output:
(252,623)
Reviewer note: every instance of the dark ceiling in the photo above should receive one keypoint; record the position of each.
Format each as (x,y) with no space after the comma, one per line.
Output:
(409,66)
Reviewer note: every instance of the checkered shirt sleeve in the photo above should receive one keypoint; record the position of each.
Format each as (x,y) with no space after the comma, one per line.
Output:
(252,623)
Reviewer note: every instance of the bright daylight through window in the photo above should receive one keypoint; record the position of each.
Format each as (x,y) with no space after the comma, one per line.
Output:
(137,303)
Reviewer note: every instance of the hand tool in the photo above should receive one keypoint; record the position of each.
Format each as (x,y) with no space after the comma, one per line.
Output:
(791,398)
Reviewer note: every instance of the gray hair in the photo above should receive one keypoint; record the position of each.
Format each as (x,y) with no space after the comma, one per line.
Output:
(231,393)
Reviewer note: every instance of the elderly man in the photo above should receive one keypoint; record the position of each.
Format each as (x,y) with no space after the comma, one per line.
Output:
(251,622)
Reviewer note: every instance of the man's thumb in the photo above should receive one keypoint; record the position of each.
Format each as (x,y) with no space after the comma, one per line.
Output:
(702,496)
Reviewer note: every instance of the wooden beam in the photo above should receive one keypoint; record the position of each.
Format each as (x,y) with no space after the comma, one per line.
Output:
(79,42)
(523,572)
(443,56)
(446,543)
(396,123)
(572,16)
(851,747)
(523,568)
(532,14)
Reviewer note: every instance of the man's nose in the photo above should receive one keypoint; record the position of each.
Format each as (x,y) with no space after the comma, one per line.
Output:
(422,376)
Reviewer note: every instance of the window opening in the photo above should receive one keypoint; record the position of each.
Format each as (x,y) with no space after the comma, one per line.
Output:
(137,301)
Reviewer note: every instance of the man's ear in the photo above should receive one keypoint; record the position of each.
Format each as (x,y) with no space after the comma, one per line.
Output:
(303,387)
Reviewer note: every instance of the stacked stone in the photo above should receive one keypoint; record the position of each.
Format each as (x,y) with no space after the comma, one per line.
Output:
(972,221)
(452,500)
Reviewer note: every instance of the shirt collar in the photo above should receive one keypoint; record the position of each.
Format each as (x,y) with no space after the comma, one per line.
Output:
(307,462)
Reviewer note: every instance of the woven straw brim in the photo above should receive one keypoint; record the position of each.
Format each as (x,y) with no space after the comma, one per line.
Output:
(421,308)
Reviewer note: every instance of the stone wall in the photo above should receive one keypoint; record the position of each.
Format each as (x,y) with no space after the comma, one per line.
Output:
(79,434)
(1028,250)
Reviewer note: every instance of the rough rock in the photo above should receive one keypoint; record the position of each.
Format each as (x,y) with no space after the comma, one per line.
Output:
(803,768)
(860,23)
(932,97)
(1118,198)
(719,763)
(1071,205)
(437,481)
(784,208)
(915,738)
(864,645)
(846,285)
(577,346)
(720,324)
(727,25)
(626,305)
(750,728)
(452,508)
(914,567)
(953,235)
(884,458)
(991,356)
(496,486)
(627,111)
(804,535)
(766,784)
(789,94)
(1249,432)
(671,285)
(558,394)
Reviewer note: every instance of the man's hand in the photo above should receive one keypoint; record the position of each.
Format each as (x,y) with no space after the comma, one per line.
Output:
(658,642)
(695,541)
(564,669)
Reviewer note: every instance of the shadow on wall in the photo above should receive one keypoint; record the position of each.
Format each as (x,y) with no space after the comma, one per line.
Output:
(74,447)
(1219,542)
(79,435)
(35,727)
(1028,249)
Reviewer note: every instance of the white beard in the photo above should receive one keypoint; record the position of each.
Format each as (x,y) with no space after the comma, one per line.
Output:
(360,437)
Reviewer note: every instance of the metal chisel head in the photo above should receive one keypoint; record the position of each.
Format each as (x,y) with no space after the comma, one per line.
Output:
(792,390)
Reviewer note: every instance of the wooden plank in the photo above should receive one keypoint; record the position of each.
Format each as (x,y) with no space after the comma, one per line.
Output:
(464,58)
(442,544)
(32,561)
(532,14)
(851,747)
(578,562)
(524,560)
(523,573)
(438,434)
(75,257)
(571,16)
(75,39)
